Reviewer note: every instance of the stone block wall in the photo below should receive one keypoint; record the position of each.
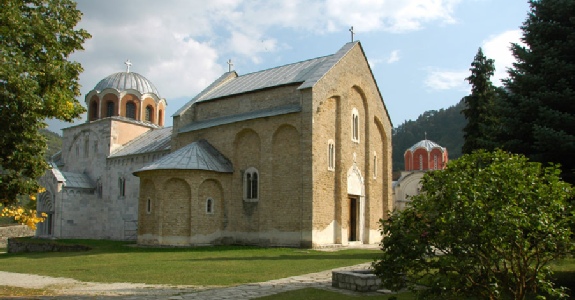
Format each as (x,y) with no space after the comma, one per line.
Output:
(11,231)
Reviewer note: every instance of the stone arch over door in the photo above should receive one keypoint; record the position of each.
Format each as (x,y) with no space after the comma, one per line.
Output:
(175,212)
(355,211)
(46,205)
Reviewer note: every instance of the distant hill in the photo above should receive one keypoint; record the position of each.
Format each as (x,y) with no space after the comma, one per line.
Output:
(444,126)
(54,142)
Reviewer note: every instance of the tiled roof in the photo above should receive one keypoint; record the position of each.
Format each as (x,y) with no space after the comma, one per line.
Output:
(276,111)
(427,145)
(122,81)
(306,72)
(77,180)
(199,155)
(151,141)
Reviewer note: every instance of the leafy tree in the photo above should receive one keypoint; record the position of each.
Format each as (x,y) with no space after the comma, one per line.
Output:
(37,81)
(479,105)
(486,227)
(539,106)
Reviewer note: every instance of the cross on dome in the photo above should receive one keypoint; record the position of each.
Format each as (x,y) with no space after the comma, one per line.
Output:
(128,65)
(352,33)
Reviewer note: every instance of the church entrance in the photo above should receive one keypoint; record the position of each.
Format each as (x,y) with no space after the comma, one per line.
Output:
(353,217)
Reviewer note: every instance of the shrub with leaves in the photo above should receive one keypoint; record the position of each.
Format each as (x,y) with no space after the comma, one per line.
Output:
(485,227)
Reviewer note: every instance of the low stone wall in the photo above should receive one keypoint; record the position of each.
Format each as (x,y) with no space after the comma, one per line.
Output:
(16,245)
(360,280)
(11,231)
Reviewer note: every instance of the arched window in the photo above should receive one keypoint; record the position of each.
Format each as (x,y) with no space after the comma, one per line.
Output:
(210,206)
(420,162)
(435,162)
(160,118)
(94,111)
(131,110)
(355,125)
(251,185)
(331,155)
(109,109)
(149,113)
(374,165)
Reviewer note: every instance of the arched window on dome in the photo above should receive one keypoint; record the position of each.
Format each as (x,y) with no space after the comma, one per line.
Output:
(149,113)
(131,110)
(109,109)
(420,162)
(94,111)
(161,117)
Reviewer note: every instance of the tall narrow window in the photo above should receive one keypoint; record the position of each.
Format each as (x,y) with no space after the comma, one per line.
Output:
(160,118)
(122,186)
(94,111)
(109,109)
(131,110)
(435,162)
(355,125)
(86,148)
(331,155)
(149,113)
(149,206)
(374,165)
(420,162)
(210,206)
(251,185)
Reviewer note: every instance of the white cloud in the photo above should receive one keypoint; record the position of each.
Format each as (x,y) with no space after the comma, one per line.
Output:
(393,57)
(497,47)
(447,80)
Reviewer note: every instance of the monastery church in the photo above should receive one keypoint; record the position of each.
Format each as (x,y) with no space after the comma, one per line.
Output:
(298,155)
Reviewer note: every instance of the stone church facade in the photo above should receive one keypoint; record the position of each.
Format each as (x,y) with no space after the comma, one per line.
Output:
(298,155)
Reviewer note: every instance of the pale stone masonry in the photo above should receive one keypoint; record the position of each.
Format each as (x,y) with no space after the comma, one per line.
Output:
(298,155)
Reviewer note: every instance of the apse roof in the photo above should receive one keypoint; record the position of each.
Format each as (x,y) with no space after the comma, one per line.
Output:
(151,141)
(427,144)
(199,155)
(122,81)
(306,73)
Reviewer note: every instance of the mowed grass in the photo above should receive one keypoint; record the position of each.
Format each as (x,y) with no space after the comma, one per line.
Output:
(114,261)
(317,294)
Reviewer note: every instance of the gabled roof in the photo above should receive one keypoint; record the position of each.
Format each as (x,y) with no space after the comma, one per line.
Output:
(151,141)
(199,155)
(306,73)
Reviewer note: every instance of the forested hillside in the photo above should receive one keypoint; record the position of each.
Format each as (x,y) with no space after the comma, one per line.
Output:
(444,126)
(54,142)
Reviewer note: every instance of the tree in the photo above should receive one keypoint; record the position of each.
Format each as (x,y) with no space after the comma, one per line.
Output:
(37,81)
(539,106)
(479,106)
(485,227)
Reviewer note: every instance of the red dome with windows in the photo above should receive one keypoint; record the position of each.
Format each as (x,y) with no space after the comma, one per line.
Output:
(425,155)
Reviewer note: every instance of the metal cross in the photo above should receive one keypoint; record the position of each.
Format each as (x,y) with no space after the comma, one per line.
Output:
(230,64)
(352,33)
(128,65)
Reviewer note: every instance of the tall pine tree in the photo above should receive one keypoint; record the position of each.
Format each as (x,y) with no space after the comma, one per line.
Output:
(479,111)
(539,104)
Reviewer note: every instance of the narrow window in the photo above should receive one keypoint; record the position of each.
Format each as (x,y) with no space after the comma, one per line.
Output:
(122,186)
(374,165)
(420,162)
(149,206)
(435,162)
(331,155)
(149,113)
(251,185)
(355,125)
(94,110)
(160,118)
(109,109)
(209,206)
(131,110)
(95,147)
(86,148)
(99,188)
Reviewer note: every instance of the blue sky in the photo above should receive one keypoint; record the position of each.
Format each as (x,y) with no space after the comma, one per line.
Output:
(420,51)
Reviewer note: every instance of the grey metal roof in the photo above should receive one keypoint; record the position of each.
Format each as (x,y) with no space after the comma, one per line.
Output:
(199,155)
(307,72)
(276,111)
(122,81)
(77,180)
(427,145)
(151,141)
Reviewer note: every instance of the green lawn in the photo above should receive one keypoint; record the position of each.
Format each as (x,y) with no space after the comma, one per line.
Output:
(317,294)
(113,261)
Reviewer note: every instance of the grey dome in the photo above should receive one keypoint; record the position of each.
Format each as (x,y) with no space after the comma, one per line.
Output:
(122,81)
(426,144)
